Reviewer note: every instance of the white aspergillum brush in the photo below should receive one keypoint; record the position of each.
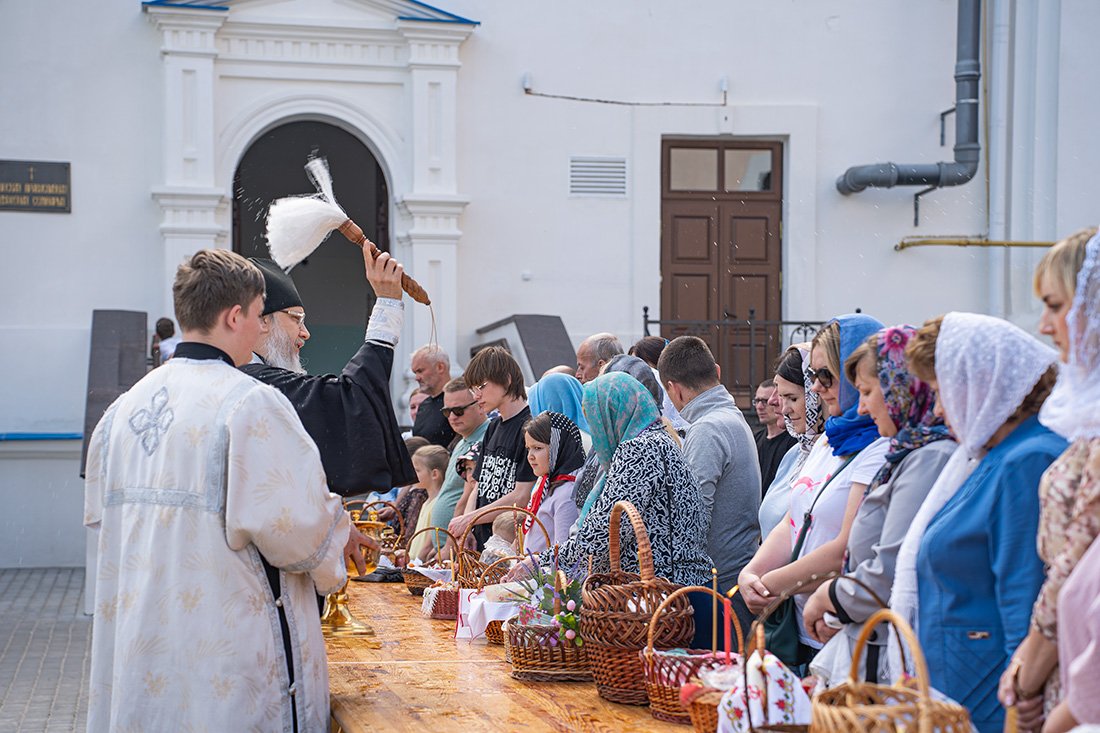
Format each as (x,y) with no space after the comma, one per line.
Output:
(296,225)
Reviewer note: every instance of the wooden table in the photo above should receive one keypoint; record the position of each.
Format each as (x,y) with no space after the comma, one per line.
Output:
(414,676)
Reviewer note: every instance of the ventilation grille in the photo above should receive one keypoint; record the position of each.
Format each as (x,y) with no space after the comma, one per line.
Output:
(590,176)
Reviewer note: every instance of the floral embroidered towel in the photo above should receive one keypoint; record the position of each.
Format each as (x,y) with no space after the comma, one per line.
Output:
(775,696)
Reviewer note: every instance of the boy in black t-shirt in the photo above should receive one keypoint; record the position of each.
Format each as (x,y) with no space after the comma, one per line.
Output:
(504,477)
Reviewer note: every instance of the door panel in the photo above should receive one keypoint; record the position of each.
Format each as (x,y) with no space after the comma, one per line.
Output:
(721,254)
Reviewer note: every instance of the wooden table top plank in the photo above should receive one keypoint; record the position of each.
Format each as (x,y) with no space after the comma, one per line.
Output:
(414,676)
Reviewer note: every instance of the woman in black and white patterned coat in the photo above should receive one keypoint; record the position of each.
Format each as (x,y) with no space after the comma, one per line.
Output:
(645,467)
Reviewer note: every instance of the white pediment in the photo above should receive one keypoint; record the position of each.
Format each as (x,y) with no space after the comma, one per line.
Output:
(357,14)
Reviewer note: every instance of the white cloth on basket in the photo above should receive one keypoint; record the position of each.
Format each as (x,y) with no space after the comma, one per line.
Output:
(775,696)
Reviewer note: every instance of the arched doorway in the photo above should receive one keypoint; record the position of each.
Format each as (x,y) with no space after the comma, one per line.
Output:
(336,294)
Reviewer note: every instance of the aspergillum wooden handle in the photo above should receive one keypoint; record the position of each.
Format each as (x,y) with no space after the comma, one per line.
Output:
(352,231)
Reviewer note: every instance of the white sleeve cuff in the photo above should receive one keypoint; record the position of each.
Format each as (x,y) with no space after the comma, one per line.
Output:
(385,321)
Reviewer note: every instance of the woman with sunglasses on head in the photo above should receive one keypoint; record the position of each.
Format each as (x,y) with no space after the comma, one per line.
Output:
(902,407)
(805,422)
(1068,282)
(825,494)
(967,572)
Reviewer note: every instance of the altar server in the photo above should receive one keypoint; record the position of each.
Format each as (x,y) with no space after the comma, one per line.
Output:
(196,477)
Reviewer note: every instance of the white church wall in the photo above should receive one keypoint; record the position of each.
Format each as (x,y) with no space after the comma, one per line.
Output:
(839,83)
(829,80)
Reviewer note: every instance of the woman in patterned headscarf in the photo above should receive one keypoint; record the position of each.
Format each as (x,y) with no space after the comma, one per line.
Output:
(555,454)
(920,445)
(643,466)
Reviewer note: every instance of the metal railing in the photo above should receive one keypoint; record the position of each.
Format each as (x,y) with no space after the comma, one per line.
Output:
(745,349)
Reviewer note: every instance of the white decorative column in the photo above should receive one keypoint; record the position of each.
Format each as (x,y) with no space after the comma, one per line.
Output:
(431,209)
(194,208)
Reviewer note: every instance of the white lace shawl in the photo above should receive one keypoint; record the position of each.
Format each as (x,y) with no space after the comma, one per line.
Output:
(1073,408)
(985,367)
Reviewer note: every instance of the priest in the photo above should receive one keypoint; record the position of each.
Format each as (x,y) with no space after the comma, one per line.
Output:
(215,532)
(349,415)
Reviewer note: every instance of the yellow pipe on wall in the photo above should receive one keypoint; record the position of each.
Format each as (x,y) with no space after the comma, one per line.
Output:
(908,242)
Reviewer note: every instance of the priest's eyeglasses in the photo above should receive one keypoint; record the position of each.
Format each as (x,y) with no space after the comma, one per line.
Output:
(458,411)
(299,317)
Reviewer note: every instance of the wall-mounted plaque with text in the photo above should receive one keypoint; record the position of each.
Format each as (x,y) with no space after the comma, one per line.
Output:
(27,185)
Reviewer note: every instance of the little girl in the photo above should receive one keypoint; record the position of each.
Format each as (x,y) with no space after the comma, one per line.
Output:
(430,463)
(555,453)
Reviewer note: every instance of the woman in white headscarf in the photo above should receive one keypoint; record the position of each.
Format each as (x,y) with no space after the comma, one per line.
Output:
(1068,282)
(805,421)
(967,572)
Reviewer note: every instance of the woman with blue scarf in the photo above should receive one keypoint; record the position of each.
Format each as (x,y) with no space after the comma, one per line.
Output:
(561,393)
(643,466)
(828,489)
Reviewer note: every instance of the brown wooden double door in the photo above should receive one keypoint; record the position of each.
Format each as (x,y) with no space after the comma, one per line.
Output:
(721,251)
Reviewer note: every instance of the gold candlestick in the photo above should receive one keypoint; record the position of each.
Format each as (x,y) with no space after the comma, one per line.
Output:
(337,619)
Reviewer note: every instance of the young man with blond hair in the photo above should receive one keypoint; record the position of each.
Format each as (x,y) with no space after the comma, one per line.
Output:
(215,533)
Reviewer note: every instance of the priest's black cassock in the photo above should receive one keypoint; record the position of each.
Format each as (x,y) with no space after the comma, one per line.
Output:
(350,419)
(349,416)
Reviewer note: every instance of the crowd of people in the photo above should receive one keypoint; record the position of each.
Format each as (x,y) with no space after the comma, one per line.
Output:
(948,471)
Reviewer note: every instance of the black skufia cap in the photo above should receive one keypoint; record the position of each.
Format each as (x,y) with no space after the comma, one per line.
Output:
(281,293)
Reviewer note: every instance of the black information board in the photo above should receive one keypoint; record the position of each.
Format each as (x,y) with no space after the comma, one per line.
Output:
(27,185)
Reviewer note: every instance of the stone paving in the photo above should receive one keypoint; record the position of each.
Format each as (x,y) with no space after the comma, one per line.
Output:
(45,650)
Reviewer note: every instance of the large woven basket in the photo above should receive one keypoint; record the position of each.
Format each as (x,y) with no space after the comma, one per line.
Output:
(862,707)
(665,673)
(494,630)
(470,567)
(536,651)
(414,581)
(616,609)
(703,707)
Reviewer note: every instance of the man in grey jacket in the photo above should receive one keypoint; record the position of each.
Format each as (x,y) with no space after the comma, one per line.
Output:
(721,451)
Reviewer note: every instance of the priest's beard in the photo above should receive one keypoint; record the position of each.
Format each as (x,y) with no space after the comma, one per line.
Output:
(279,351)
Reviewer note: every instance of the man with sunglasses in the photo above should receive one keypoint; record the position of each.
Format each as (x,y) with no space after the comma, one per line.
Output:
(468,420)
(349,416)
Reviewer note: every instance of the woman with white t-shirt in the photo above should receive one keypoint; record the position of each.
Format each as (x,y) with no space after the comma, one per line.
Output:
(826,493)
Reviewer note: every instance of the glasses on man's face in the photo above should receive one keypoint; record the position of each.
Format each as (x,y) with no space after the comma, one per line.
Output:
(476,391)
(458,411)
(299,317)
(758,401)
(822,375)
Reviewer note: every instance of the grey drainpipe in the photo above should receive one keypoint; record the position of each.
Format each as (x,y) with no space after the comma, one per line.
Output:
(967,148)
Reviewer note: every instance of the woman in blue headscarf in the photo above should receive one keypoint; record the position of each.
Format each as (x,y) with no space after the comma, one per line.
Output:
(645,467)
(561,393)
(826,493)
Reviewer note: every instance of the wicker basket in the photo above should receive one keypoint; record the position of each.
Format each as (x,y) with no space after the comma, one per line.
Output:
(615,612)
(470,566)
(864,707)
(494,631)
(665,673)
(394,542)
(414,581)
(446,603)
(703,707)
(534,658)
